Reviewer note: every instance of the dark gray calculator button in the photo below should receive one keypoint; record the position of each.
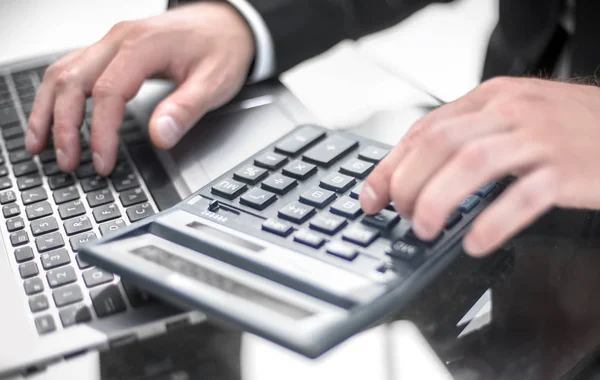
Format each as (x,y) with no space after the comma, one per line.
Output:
(107,301)
(45,324)
(453,219)
(24,168)
(60,276)
(34,195)
(270,160)
(360,235)
(38,210)
(60,181)
(19,238)
(277,227)
(14,144)
(132,197)
(279,184)
(373,154)
(81,262)
(23,254)
(347,207)
(19,156)
(15,224)
(328,223)
(356,168)
(405,250)
(43,226)
(78,240)
(296,212)
(67,295)
(111,226)
(410,236)
(5,183)
(76,225)
(229,188)
(486,189)
(49,242)
(51,168)
(317,197)
(71,209)
(469,204)
(355,192)
(308,238)
(29,269)
(257,198)
(299,140)
(299,169)
(47,155)
(65,195)
(93,183)
(337,182)
(250,174)
(55,259)
(106,213)
(7,197)
(75,314)
(38,303)
(100,197)
(330,150)
(33,286)
(96,276)
(384,219)
(343,250)
(139,212)
(11,210)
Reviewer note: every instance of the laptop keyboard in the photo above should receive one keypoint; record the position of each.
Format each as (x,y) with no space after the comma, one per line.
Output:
(48,215)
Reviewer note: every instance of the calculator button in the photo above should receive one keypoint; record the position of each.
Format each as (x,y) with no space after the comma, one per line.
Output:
(106,213)
(360,235)
(78,240)
(317,197)
(60,276)
(347,207)
(486,189)
(33,285)
(384,219)
(296,212)
(74,314)
(330,150)
(337,182)
(49,242)
(357,168)
(67,295)
(299,169)
(405,250)
(257,198)
(328,223)
(107,301)
(65,195)
(270,160)
(279,184)
(139,212)
(229,188)
(15,224)
(308,238)
(373,154)
(45,324)
(343,250)
(43,226)
(469,204)
(71,209)
(29,269)
(412,237)
(298,140)
(34,195)
(453,219)
(38,303)
(23,254)
(277,227)
(250,174)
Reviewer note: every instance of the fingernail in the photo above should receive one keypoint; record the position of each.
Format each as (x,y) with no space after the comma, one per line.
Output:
(98,162)
(30,139)
(368,197)
(423,230)
(62,159)
(168,130)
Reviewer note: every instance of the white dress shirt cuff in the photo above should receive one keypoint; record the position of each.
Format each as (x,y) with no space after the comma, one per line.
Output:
(264,60)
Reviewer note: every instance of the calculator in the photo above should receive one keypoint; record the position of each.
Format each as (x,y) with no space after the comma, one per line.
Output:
(279,246)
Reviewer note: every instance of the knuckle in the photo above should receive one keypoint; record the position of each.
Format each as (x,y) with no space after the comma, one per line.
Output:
(68,77)
(439,138)
(54,71)
(119,27)
(498,84)
(473,157)
(104,88)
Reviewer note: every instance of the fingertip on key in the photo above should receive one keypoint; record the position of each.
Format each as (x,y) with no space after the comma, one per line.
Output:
(31,141)
(368,199)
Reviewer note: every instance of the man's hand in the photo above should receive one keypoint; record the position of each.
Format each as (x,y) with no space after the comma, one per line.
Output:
(544,132)
(207,49)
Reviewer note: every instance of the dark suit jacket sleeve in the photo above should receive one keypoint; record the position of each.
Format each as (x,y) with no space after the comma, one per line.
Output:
(302,29)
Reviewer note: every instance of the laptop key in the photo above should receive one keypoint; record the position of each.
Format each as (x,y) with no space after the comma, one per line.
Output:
(317,197)
(106,212)
(44,226)
(127,182)
(71,209)
(55,259)
(330,150)
(111,226)
(86,156)
(77,225)
(47,155)
(81,262)
(139,212)
(49,242)
(85,170)
(250,174)
(23,254)
(328,223)
(15,143)
(299,140)
(38,303)
(24,168)
(60,276)
(38,210)
(373,154)
(337,182)
(7,197)
(279,184)
(342,250)
(132,197)
(29,269)
(270,160)
(11,210)
(12,131)
(51,168)
(383,220)
(15,224)
(8,115)
(33,285)
(347,207)
(74,314)
(296,212)
(107,301)
(360,235)
(61,180)
(96,276)
(19,156)
(67,295)
(5,183)
(34,195)
(229,188)
(308,238)
(257,198)
(100,197)
(45,324)
(3,171)
(78,240)
(29,182)
(65,195)
(19,238)
(277,227)
(357,168)
(299,169)
(93,183)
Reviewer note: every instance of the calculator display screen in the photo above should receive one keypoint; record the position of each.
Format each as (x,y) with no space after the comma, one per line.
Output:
(202,274)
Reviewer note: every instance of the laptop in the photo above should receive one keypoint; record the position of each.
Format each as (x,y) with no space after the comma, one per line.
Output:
(56,305)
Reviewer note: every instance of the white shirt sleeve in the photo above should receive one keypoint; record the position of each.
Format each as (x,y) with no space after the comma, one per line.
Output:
(264,61)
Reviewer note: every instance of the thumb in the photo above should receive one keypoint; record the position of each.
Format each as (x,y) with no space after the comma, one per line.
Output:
(178,113)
